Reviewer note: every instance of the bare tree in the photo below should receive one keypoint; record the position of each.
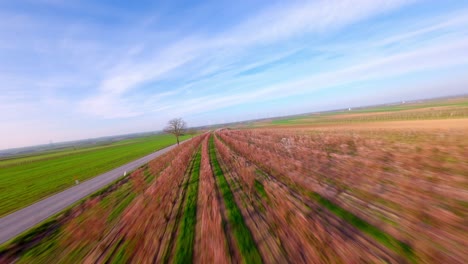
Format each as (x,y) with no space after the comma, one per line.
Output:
(176,127)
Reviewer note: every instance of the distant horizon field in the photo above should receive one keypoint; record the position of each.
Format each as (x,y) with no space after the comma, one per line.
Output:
(26,180)
(48,154)
(436,110)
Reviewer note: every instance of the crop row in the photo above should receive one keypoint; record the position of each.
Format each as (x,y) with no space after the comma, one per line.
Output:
(307,233)
(359,181)
(252,209)
(241,236)
(211,245)
(145,228)
(186,236)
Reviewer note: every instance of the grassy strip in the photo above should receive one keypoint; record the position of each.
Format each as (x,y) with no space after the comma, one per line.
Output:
(123,254)
(173,225)
(186,236)
(35,253)
(242,234)
(120,252)
(118,210)
(260,189)
(51,225)
(147,174)
(384,238)
(115,246)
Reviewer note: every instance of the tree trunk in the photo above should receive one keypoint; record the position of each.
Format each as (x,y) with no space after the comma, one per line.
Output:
(177,140)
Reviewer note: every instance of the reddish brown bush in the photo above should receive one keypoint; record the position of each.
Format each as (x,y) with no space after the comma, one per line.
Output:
(397,181)
(210,245)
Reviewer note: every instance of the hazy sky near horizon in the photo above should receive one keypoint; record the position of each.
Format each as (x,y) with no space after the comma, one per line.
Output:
(79,69)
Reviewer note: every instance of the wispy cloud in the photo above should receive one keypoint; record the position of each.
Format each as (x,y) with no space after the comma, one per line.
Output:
(272,25)
(447,52)
(144,66)
(299,18)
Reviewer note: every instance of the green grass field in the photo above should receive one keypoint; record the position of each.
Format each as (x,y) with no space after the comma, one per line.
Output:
(186,236)
(26,180)
(50,154)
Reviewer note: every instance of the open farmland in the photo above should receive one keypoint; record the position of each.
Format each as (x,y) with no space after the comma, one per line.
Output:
(447,109)
(276,195)
(24,180)
(407,195)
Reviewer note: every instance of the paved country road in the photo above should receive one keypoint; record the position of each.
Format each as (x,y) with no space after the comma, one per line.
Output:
(22,220)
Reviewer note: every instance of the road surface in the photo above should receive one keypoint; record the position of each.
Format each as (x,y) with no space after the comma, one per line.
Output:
(17,222)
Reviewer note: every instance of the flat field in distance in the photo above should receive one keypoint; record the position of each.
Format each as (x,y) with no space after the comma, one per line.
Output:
(443,109)
(26,179)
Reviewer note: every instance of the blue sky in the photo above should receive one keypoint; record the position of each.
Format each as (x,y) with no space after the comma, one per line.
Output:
(81,69)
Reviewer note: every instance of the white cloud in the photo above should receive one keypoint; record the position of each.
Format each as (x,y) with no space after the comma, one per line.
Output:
(271,25)
(108,107)
(285,21)
(434,57)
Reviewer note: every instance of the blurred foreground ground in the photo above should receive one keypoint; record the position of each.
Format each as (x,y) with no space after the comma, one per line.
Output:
(345,188)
